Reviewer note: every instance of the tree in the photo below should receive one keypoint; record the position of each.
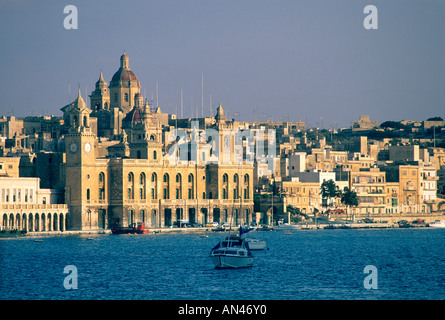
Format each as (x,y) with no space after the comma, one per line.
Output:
(349,198)
(295,214)
(435,119)
(329,190)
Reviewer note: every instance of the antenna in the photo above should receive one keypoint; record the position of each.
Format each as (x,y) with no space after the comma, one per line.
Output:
(157,96)
(202,95)
(182,107)
(69,92)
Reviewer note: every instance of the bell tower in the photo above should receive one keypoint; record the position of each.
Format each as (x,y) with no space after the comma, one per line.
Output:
(80,154)
(100,97)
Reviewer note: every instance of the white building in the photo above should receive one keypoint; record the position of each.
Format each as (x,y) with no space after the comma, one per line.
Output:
(24,206)
(429,183)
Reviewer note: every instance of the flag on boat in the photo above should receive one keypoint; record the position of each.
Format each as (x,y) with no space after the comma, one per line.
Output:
(244,230)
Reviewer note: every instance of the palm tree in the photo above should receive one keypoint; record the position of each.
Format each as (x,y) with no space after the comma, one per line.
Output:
(329,190)
(349,198)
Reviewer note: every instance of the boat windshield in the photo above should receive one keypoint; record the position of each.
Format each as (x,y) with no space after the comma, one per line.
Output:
(231,243)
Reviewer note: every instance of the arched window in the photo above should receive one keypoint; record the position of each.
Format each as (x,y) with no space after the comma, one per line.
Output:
(166,187)
(88,194)
(126,97)
(101,186)
(142,185)
(155,155)
(246,186)
(130,188)
(154,185)
(225,186)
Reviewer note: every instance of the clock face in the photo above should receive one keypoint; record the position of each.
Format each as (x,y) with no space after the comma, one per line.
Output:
(87,147)
(73,147)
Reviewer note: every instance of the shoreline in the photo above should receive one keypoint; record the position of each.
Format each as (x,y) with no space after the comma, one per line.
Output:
(300,227)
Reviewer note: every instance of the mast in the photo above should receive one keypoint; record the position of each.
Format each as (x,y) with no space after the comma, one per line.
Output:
(202,95)
(157,95)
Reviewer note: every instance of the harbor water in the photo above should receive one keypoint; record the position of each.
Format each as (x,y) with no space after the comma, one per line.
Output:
(312,264)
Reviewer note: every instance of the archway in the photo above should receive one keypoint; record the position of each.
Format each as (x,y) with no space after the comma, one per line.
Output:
(167,217)
(5,221)
(61,222)
(49,222)
(153,218)
(24,222)
(204,216)
(37,225)
(30,222)
(43,222)
(55,223)
(11,221)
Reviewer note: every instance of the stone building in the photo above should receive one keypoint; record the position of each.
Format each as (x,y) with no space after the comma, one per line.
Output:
(26,206)
(137,181)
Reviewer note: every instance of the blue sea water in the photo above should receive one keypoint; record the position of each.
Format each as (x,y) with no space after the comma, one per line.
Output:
(318,264)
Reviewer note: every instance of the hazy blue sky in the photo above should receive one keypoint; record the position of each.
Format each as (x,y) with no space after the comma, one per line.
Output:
(293,59)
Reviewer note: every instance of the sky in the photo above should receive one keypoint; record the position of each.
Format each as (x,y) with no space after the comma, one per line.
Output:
(261,59)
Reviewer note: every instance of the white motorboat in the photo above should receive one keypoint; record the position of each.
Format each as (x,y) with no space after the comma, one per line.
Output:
(256,244)
(438,224)
(287,226)
(232,252)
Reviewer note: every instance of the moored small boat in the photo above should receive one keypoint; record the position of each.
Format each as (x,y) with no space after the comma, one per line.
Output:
(132,229)
(438,224)
(232,252)
(256,244)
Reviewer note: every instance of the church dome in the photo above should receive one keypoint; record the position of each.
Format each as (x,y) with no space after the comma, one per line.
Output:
(133,117)
(124,73)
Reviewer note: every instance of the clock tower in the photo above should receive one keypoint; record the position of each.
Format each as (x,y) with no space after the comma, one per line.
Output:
(81,153)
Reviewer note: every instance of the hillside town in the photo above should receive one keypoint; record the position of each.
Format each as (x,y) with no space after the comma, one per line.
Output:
(120,160)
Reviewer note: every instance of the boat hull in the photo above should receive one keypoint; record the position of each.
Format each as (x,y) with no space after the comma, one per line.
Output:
(437,225)
(229,261)
(256,244)
(288,227)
